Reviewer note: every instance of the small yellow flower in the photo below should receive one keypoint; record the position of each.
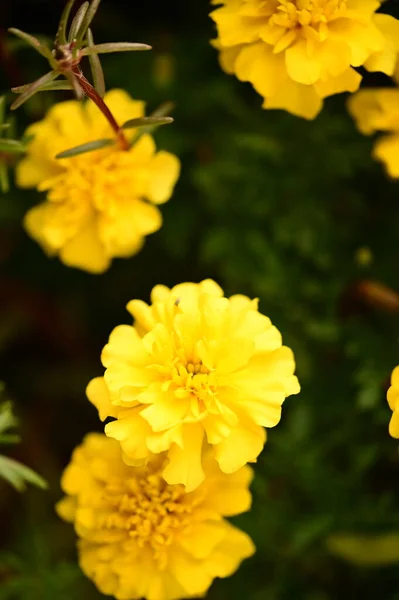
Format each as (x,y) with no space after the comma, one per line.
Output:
(194,365)
(142,538)
(378,110)
(297,52)
(100,204)
(393,401)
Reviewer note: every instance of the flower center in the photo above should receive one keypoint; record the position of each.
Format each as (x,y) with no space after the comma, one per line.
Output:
(288,19)
(96,182)
(193,381)
(147,509)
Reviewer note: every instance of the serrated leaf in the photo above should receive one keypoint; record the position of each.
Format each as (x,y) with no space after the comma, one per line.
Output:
(88,147)
(89,17)
(33,88)
(61,37)
(96,68)
(77,22)
(146,121)
(18,475)
(114,47)
(12,146)
(32,41)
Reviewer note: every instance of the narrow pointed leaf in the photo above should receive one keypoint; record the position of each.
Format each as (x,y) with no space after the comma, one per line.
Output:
(88,147)
(32,41)
(18,474)
(4,181)
(160,113)
(77,22)
(7,418)
(33,88)
(114,47)
(145,121)
(96,68)
(51,86)
(61,37)
(2,109)
(12,146)
(88,18)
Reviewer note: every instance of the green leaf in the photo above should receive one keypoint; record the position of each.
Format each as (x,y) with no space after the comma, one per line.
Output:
(160,112)
(10,438)
(2,109)
(33,88)
(4,181)
(7,417)
(88,18)
(114,47)
(32,41)
(77,22)
(48,87)
(61,37)
(366,550)
(88,147)
(12,146)
(75,85)
(18,475)
(146,121)
(96,68)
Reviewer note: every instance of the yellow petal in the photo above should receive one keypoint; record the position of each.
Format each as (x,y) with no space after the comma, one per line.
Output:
(98,394)
(243,445)
(185,465)
(164,172)
(85,251)
(301,66)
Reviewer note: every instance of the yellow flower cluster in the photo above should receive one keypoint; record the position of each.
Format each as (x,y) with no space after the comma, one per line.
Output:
(195,369)
(100,204)
(142,538)
(297,52)
(190,387)
(378,110)
(393,401)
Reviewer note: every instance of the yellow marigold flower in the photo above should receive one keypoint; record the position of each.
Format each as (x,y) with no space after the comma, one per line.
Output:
(297,52)
(142,538)
(100,204)
(195,365)
(378,110)
(393,401)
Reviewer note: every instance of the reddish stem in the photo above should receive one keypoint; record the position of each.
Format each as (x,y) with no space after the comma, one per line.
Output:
(91,93)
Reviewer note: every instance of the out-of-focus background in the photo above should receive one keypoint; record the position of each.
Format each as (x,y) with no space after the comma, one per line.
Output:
(271,206)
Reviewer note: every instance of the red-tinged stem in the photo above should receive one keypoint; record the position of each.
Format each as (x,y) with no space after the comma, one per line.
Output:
(91,93)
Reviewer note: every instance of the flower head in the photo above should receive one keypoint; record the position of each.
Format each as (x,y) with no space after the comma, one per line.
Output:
(297,52)
(393,401)
(100,204)
(142,538)
(195,366)
(378,110)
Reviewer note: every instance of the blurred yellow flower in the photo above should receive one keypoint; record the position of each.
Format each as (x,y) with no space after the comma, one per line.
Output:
(378,110)
(297,52)
(100,204)
(393,401)
(194,364)
(142,538)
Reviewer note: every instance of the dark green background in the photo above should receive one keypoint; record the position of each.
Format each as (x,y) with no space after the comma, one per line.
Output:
(268,205)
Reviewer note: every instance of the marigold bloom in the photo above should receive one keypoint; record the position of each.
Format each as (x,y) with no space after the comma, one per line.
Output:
(194,365)
(378,110)
(142,538)
(297,52)
(100,204)
(393,401)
